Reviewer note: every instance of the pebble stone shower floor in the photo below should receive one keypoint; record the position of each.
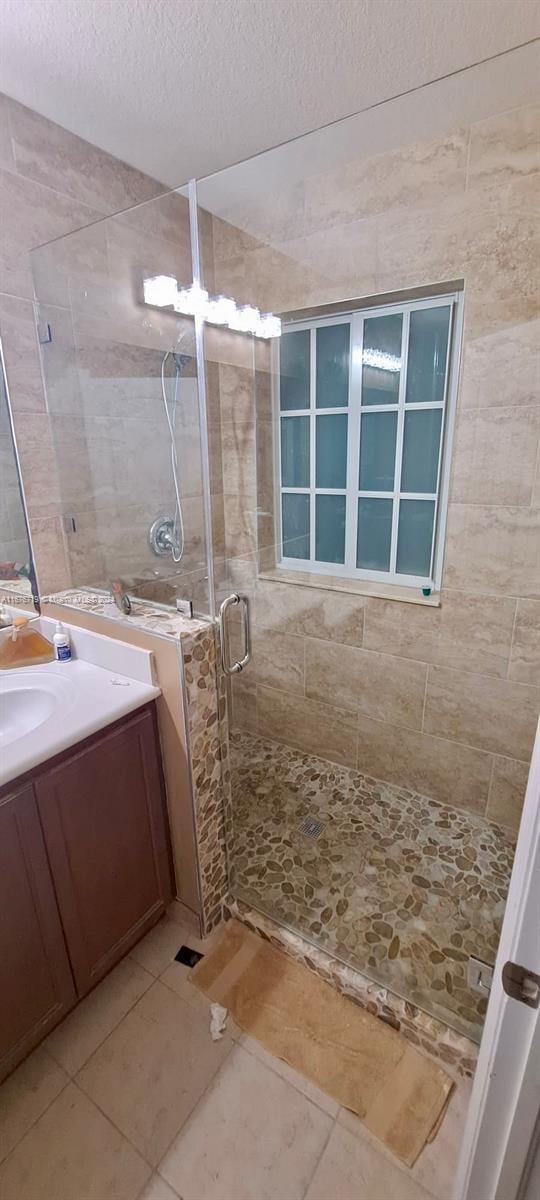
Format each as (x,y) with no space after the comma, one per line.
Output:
(399,886)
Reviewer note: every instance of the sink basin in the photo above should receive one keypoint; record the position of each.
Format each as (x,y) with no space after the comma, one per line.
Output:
(28,700)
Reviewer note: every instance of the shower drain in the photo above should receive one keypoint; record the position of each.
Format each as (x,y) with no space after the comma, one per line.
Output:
(311,827)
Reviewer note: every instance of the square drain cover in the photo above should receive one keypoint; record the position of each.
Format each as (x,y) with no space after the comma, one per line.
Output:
(311,827)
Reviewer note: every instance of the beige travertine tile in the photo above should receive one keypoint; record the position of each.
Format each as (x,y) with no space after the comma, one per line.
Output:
(29,215)
(237,395)
(473,633)
(501,368)
(177,977)
(238,458)
(492,714)
(151,1071)
(243,696)
(333,616)
(503,242)
(416,173)
(25,1095)
(420,245)
(449,772)
(286,1072)
(352,1169)
(72,1042)
(19,342)
(73,1151)
(157,1189)
(337,261)
(507,791)
(49,154)
(50,554)
(494,455)
(278,661)
(279,1134)
(240,524)
(436,1166)
(378,685)
(157,949)
(6,149)
(38,463)
(316,728)
(504,146)
(494,550)
(525,655)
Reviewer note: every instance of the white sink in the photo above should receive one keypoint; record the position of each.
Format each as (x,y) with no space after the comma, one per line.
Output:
(29,700)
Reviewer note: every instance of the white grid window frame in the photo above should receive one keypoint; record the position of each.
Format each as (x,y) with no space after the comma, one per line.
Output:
(355,410)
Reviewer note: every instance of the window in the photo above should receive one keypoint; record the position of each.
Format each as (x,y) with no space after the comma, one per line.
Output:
(364,406)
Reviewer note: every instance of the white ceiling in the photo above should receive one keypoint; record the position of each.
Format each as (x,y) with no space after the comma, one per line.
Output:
(184,87)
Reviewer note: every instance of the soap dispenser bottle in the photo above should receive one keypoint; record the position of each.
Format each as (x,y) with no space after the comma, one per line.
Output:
(62,643)
(24,647)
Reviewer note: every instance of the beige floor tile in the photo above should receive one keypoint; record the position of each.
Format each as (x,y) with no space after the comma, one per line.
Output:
(298,1081)
(159,947)
(73,1153)
(436,1166)
(72,1043)
(178,977)
(351,1169)
(150,1073)
(25,1095)
(157,1189)
(252,1137)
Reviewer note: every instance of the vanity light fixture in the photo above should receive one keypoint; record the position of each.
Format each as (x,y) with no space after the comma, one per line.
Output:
(162,291)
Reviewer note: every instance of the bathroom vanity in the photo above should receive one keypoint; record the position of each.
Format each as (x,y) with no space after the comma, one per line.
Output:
(85,865)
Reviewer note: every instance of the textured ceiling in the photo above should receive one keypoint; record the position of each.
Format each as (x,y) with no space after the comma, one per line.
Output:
(185,87)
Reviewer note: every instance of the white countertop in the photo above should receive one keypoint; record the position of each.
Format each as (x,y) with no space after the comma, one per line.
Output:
(46,709)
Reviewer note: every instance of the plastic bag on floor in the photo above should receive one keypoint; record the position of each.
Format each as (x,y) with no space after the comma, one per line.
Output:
(218,1021)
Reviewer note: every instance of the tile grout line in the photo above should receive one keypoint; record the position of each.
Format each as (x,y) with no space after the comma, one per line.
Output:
(191,1114)
(69,1080)
(321,1155)
(512,637)
(117,1023)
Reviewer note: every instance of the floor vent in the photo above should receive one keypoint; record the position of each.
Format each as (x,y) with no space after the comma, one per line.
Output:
(311,827)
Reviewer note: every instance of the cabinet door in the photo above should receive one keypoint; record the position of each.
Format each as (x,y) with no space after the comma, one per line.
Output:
(102,811)
(36,981)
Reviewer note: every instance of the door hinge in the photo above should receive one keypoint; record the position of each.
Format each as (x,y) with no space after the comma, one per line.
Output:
(521,984)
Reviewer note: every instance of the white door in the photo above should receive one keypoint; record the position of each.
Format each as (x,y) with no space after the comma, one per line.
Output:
(505,1100)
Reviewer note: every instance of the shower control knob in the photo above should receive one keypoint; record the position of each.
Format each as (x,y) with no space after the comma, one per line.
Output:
(161,537)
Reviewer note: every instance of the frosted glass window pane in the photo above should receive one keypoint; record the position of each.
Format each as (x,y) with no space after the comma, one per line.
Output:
(331,451)
(428,348)
(332,349)
(295,451)
(381,359)
(377,451)
(374,534)
(295,510)
(415,535)
(330,529)
(294,369)
(421,438)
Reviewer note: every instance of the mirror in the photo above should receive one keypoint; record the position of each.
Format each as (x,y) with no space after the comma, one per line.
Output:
(17,575)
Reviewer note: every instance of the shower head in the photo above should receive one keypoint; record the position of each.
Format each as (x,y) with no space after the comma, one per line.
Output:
(181,361)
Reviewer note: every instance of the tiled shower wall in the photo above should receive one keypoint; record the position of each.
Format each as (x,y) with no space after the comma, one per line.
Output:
(51,182)
(442,700)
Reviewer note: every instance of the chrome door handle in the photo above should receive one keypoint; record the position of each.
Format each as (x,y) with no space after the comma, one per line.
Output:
(228,667)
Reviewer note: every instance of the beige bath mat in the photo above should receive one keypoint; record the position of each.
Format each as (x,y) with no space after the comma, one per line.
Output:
(350,1054)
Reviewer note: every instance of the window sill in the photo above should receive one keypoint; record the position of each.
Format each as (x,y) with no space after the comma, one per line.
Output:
(335,583)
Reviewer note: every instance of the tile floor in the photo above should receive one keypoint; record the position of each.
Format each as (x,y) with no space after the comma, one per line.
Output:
(397,885)
(129,1099)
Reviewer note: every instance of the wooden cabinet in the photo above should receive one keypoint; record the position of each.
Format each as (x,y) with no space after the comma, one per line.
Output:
(36,981)
(84,872)
(103,821)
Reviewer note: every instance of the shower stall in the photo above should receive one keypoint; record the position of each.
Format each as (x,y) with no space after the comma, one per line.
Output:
(357,475)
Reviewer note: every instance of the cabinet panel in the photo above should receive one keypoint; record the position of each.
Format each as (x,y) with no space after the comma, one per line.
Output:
(36,982)
(102,811)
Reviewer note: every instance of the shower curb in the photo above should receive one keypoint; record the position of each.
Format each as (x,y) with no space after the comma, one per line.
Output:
(457,1052)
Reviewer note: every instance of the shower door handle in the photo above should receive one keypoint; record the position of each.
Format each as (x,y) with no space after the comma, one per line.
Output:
(234,667)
